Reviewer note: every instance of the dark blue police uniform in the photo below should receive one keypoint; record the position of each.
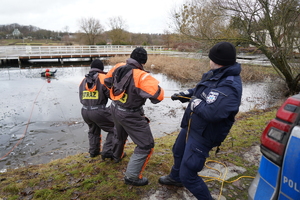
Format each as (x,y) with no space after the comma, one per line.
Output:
(206,125)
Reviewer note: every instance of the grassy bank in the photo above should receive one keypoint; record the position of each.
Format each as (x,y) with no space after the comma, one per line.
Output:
(78,177)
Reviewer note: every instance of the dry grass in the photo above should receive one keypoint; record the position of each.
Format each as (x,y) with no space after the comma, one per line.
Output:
(188,69)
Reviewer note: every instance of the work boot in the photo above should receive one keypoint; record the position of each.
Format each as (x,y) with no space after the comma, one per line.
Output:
(106,155)
(167,180)
(93,155)
(117,160)
(136,182)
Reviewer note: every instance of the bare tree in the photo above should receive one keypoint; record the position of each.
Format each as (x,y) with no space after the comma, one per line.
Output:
(66,29)
(171,39)
(272,26)
(168,39)
(92,29)
(118,33)
(138,38)
(66,35)
(199,20)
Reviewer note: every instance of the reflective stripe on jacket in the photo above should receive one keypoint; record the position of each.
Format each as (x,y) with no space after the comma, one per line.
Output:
(130,85)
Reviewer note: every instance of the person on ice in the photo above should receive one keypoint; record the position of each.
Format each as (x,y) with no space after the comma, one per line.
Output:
(130,86)
(207,120)
(47,73)
(94,96)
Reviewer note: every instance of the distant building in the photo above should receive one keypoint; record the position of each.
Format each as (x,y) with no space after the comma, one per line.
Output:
(16,33)
(265,38)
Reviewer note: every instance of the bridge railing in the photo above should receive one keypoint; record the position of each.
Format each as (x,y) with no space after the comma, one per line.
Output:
(6,51)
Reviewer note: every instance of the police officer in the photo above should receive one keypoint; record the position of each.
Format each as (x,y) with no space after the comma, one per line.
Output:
(94,96)
(207,120)
(130,86)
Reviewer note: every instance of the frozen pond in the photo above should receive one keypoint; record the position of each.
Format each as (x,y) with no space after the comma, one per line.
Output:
(41,121)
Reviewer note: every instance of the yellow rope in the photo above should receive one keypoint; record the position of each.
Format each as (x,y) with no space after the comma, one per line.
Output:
(220,178)
(188,131)
(181,97)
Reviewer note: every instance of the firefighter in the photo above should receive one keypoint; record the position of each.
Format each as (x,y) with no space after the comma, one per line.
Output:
(210,114)
(94,96)
(130,86)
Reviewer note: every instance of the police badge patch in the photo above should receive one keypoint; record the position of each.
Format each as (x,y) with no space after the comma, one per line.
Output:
(212,97)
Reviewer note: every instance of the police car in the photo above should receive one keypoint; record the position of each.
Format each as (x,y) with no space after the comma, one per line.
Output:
(278,175)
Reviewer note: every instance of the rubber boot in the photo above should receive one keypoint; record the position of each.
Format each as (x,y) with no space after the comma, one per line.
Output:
(134,169)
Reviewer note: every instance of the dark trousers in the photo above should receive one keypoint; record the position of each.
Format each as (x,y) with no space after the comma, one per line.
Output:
(97,120)
(189,159)
(134,125)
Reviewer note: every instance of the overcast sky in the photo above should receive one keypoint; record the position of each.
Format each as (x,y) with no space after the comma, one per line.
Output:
(141,16)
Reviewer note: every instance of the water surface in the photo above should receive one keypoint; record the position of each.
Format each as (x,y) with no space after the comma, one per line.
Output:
(40,120)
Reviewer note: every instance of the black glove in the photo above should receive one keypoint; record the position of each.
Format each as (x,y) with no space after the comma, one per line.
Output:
(181,97)
(175,96)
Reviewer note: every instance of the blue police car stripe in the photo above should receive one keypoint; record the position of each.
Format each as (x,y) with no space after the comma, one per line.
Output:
(267,183)
(290,179)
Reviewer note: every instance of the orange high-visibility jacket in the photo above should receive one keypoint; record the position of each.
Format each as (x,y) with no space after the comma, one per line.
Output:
(130,85)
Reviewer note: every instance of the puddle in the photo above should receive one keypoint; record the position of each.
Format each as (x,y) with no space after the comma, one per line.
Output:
(41,121)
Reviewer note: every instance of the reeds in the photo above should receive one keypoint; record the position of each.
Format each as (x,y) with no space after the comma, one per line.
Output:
(190,69)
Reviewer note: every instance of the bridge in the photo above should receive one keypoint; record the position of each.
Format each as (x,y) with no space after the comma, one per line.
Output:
(25,53)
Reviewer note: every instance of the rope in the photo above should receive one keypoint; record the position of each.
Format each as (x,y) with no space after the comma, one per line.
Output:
(220,178)
(189,126)
(64,117)
(26,127)
(181,97)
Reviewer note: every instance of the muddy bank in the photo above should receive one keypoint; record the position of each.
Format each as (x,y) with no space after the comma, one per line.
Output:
(41,121)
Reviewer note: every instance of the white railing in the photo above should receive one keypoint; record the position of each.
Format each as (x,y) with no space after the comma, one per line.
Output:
(15,51)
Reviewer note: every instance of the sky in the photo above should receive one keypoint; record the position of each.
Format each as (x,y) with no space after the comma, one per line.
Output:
(140,16)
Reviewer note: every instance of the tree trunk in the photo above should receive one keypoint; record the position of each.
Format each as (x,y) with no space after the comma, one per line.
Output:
(282,65)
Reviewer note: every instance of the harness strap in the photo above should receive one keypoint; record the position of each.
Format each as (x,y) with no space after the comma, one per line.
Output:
(95,107)
(126,109)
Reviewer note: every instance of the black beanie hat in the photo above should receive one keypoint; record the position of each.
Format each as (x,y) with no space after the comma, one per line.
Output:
(97,64)
(223,53)
(140,55)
